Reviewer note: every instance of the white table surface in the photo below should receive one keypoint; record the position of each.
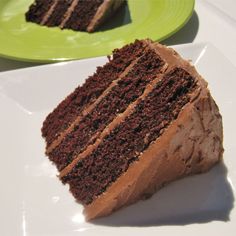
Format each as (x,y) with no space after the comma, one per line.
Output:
(213,21)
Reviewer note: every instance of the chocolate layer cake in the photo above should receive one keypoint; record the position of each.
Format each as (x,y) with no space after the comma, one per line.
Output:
(142,120)
(79,15)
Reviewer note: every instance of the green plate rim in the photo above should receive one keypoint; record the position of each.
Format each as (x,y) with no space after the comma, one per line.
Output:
(54,60)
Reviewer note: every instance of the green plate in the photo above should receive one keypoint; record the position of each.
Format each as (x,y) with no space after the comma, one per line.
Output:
(20,40)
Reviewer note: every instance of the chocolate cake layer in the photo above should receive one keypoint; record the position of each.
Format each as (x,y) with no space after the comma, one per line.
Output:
(67,111)
(125,92)
(38,10)
(58,13)
(83,14)
(93,174)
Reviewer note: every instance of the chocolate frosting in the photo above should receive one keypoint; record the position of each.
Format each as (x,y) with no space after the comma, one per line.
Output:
(191,144)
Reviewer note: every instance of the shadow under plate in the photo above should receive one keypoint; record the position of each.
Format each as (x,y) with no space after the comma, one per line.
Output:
(185,35)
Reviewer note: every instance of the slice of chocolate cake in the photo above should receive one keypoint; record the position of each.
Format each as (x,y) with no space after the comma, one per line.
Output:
(79,15)
(142,120)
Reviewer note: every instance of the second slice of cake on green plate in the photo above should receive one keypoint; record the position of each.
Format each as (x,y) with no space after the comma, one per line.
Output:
(79,15)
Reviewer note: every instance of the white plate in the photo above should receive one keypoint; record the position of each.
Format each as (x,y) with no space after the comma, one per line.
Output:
(34,202)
